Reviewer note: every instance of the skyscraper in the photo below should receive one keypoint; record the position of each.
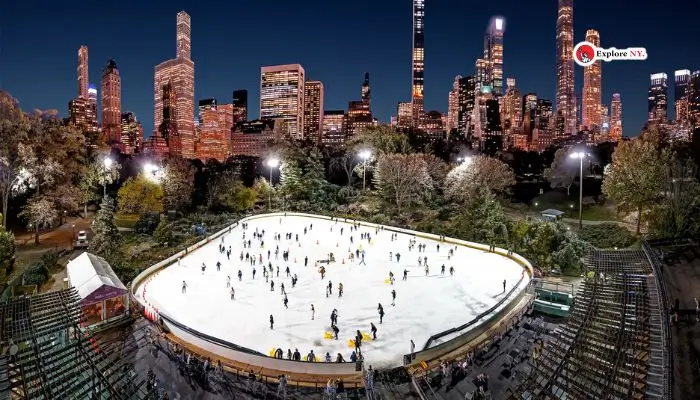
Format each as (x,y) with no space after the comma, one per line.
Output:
(205,104)
(592,93)
(493,52)
(179,73)
(366,92)
(483,73)
(565,102)
(240,105)
(680,94)
(467,98)
(131,133)
(282,97)
(694,99)
(418,58)
(313,110)
(658,98)
(83,77)
(111,104)
(511,110)
(453,105)
(215,135)
(615,118)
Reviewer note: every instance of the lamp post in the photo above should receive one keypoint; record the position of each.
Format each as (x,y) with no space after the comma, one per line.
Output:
(364,155)
(153,172)
(108,164)
(271,163)
(580,155)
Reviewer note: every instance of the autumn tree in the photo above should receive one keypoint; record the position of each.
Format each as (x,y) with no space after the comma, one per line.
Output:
(381,139)
(634,180)
(178,179)
(15,151)
(7,247)
(484,219)
(563,171)
(96,175)
(402,178)
(463,182)
(140,195)
(302,178)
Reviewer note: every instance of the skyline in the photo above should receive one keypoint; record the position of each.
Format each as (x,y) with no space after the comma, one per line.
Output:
(225,64)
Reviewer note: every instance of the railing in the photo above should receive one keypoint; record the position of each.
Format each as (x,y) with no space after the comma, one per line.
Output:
(666,353)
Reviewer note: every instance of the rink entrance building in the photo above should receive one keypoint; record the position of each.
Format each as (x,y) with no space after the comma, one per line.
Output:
(103,297)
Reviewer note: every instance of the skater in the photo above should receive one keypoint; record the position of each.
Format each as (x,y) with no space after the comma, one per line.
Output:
(286,300)
(413,348)
(452,270)
(328,357)
(504,286)
(427,270)
(442,270)
(289,354)
(358,337)
(390,256)
(218,265)
(420,261)
(340,289)
(391,277)
(228,281)
(405,274)
(311,357)
(335,330)
(393,297)
(373,328)
(184,287)
(253,273)
(203,268)
(306,261)
(272,286)
(233,294)
(240,275)
(297,355)
(330,287)
(398,257)
(380,309)
(272,322)
(282,291)
(278,271)
(287,270)
(438,247)
(339,358)
(322,270)
(313,312)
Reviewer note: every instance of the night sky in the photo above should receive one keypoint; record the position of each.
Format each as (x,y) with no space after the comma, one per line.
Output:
(336,42)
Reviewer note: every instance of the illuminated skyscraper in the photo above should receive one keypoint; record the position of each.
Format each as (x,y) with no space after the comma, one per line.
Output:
(215,135)
(313,110)
(282,97)
(111,104)
(179,73)
(616,117)
(680,94)
(694,99)
(131,133)
(240,105)
(566,102)
(592,93)
(83,77)
(333,127)
(366,92)
(511,110)
(468,87)
(404,115)
(418,58)
(483,73)
(493,52)
(453,105)
(658,98)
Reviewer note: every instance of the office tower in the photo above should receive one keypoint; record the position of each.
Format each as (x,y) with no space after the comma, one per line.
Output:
(565,101)
(282,97)
(215,131)
(131,133)
(483,73)
(240,105)
(529,113)
(111,103)
(168,128)
(542,135)
(453,105)
(466,98)
(178,74)
(592,94)
(493,52)
(658,98)
(418,58)
(680,94)
(511,110)
(252,138)
(313,110)
(83,77)
(616,118)
(333,127)
(366,92)
(204,105)
(694,99)
(404,115)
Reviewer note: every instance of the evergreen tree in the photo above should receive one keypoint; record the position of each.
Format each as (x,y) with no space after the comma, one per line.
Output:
(106,240)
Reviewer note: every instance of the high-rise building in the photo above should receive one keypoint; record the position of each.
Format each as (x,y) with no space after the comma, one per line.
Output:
(529,114)
(131,133)
(168,128)
(282,97)
(111,104)
(404,115)
(511,110)
(616,118)
(493,52)
(694,99)
(178,73)
(252,138)
(658,98)
(367,92)
(565,102)
(592,93)
(83,111)
(680,94)
(240,105)
(204,105)
(453,105)
(483,73)
(215,135)
(83,77)
(313,110)
(418,62)
(466,97)
(333,127)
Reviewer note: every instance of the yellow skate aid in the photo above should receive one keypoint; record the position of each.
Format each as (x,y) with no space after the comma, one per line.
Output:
(272,352)
(387,281)
(351,343)
(366,337)
(328,335)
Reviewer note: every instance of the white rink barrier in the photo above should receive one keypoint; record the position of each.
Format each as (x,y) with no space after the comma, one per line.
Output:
(305,367)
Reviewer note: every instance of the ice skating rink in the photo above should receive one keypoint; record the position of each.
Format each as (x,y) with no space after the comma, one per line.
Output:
(425,305)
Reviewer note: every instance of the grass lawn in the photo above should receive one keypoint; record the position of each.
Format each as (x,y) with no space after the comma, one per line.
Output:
(126,221)
(569,204)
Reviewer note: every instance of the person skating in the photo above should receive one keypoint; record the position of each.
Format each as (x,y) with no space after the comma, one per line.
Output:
(398,257)
(184,287)
(287,270)
(233,293)
(311,357)
(504,286)
(279,353)
(272,322)
(286,300)
(218,265)
(391,277)
(322,270)
(328,357)
(380,310)
(330,287)
(391,255)
(272,285)
(373,328)
(306,261)
(339,358)
(358,339)
(405,274)
(393,297)
(438,247)
(289,354)
(427,270)
(335,330)
(253,273)
(278,271)
(282,291)
(204,266)
(313,312)
(442,270)
(420,261)
(334,316)
(340,289)
(452,270)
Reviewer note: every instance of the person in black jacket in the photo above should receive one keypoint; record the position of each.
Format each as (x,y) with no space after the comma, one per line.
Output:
(272,322)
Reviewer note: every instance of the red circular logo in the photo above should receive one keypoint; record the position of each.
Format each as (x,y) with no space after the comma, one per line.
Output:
(584,54)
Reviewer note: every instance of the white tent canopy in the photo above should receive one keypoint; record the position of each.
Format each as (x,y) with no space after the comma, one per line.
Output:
(94,279)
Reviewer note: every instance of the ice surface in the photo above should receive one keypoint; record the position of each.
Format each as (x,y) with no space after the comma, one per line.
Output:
(425,305)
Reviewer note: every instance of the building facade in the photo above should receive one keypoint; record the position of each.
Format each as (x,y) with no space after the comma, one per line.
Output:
(83,76)
(131,134)
(111,104)
(680,93)
(418,63)
(694,99)
(282,97)
(453,105)
(313,110)
(252,138)
(616,118)
(334,132)
(493,53)
(658,98)
(215,133)
(592,90)
(511,111)
(565,101)
(468,87)
(240,105)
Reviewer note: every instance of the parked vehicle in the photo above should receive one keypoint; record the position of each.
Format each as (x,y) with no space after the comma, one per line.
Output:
(81,241)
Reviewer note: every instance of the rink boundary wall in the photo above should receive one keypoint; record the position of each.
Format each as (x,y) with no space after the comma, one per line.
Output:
(262,361)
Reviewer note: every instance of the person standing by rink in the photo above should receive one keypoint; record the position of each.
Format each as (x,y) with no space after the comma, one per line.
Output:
(413,349)
(504,286)
(184,287)
(313,312)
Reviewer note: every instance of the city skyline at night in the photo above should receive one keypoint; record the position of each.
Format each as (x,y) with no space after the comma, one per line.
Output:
(382,48)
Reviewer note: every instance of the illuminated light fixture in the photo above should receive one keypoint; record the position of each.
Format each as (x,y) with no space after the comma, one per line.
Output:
(499,24)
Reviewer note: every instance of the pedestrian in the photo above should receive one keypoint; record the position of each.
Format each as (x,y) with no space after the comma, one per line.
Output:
(272,322)
(373,328)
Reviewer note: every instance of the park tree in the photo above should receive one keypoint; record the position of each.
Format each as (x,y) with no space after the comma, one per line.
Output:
(178,179)
(634,180)
(562,172)
(95,176)
(15,151)
(7,247)
(139,195)
(106,239)
(678,212)
(437,169)
(484,220)
(381,139)
(221,188)
(263,189)
(302,178)
(463,182)
(40,213)
(345,161)
(402,179)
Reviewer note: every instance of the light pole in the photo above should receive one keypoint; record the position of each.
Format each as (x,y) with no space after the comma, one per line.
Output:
(364,155)
(271,163)
(108,164)
(153,172)
(580,155)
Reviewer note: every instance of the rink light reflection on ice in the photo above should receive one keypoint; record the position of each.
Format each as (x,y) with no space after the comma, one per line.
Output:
(425,305)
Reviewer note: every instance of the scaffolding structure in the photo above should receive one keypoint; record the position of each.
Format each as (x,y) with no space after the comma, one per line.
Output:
(46,356)
(613,345)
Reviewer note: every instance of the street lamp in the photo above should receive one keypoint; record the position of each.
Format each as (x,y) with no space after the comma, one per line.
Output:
(153,172)
(108,164)
(580,155)
(271,163)
(464,160)
(364,155)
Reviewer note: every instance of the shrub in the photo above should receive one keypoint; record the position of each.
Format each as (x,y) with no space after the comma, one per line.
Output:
(163,233)
(607,235)
(36,274)
(147,223)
